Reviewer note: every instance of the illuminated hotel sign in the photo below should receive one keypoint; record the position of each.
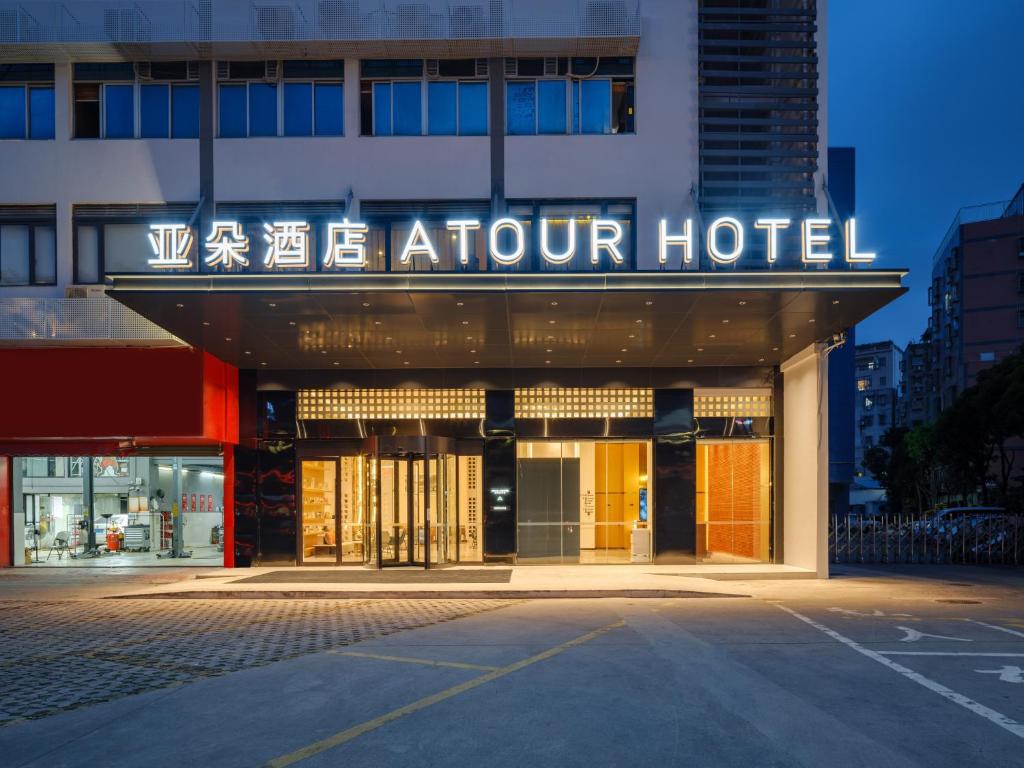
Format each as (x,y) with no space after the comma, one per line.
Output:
(287,244)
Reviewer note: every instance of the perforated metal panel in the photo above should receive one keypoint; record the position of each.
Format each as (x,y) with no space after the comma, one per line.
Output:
(749,403)
(82,320)
(390,404)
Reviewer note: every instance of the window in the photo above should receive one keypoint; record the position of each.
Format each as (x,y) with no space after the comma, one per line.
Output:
(863,384)
(881,381)
(28,254)
(580,96)
(26,101)
(147,100)
(308,100)
(393,97)
(1020,282)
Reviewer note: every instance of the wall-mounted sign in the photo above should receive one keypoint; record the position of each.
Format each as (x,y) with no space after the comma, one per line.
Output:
(287,244)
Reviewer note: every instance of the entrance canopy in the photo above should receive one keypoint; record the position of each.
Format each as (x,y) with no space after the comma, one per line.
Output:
(438,320)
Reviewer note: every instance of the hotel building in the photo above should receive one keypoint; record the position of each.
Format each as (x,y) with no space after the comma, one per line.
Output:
(388,283)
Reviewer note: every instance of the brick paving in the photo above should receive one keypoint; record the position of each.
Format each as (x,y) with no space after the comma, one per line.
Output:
(59,655)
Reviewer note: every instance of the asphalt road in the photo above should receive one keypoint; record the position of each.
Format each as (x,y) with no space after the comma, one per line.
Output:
(898,667)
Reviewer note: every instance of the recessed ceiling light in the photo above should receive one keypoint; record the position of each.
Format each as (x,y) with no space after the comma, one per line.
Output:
(336,363)
(700,349)
(632,335)
(386,338)
(760,359)
(547,362)
(348,346)
(551,322)
(323,351)
(465,322)
(227,338)
(835,301)
(472,351)
(248,352)
(458,304)
(398,351)
(623,350)
(550,338)
(376,322)
(743,302)
(554,303)
(549,351)
(775,349)
(639,322)
(476,362)
(711,335)
(271,304)
(811,320)
(725,321)
(405,362)
(180,306)
(648,303)
(792,335)
(291,322)
(690,360)
(206,324)
(618,361)
(469,338)
(366,304)
(262,363)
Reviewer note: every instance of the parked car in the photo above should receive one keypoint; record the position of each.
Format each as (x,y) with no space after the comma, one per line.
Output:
(952,519)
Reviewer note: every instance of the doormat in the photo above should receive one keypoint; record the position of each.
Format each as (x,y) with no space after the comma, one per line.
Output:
(386,576)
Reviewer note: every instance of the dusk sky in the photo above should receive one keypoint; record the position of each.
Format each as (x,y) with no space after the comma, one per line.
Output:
(931,94)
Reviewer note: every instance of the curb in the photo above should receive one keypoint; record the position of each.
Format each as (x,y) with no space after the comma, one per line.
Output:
(469,594)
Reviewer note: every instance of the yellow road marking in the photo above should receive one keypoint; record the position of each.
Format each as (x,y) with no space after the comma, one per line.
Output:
(412,660)
(356,731)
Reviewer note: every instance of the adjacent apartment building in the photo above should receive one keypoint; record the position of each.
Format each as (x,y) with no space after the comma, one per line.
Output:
(373,284)
(878,370)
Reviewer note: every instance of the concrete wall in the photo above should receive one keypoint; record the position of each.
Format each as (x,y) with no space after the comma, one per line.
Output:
(805,460)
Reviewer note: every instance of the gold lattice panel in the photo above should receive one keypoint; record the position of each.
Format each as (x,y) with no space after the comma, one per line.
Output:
(732,404)
(584,403)
(391,404)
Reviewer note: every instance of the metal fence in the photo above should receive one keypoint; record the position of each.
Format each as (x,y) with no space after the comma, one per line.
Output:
(982,539)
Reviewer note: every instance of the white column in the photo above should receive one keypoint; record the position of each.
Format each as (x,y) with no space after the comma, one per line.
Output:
(352,122)
(805,460)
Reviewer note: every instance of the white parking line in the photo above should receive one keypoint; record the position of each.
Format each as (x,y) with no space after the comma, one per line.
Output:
(996,626)
(947,653)
(1004,722)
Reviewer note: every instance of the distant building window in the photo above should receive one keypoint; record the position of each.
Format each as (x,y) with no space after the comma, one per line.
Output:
(987,357)
(863,384)
(881,381)
(1020,317)
(882,420)
(157,100)
(579,96)
(869,402)
(416,97)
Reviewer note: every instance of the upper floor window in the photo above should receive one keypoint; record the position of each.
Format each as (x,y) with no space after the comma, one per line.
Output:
(289,98)
(146,100)
(416,97)
(561,95)
(26,101)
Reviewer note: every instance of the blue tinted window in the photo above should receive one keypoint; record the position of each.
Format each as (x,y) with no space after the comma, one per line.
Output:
(153,112)
(408,109)
(382,109)
(40,105)
(232,111)
(185,112)
(521,108)
(262,109)
(551,106)
(12,112)
(473,109)
(120,111)
(596,106)
(441,109)
(330,110)
(575,106)
(298,109)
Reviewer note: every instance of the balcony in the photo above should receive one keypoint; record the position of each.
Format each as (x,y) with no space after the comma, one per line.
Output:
(77,322)
(173,29)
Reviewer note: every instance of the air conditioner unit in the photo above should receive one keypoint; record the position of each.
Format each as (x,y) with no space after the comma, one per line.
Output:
(192,70)
(431,67)
(144,70)
(84,292)
(272,70)
(483,68)
(550,67)
(223,70)
(511,67)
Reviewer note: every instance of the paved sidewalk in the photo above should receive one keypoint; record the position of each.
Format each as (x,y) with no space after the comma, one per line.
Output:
(472,582)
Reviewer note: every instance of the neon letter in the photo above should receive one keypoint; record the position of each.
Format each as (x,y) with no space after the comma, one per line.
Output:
(737,234)
(520,237)
(545,246)
(171,244)
(609,243)
(684,241)
(852,256)
(418,244)
(772,226)
(811,238)
(350,249)
(462,227)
